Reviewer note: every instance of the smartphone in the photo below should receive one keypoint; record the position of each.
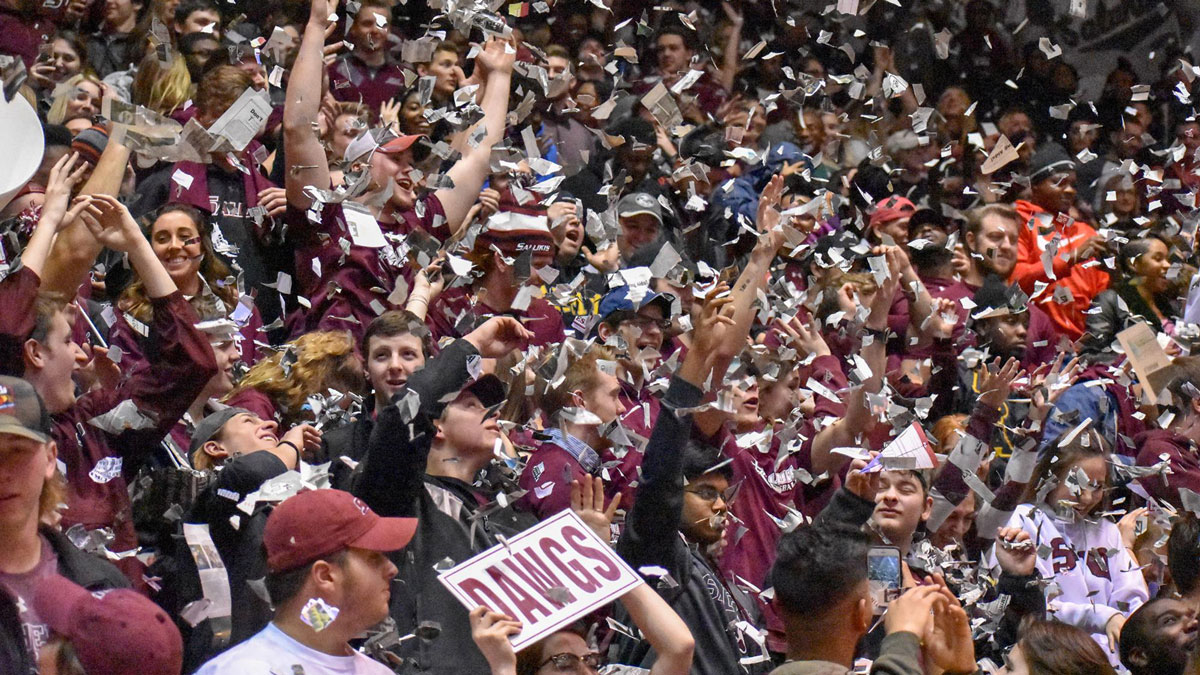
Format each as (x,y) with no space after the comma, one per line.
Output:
(883,575)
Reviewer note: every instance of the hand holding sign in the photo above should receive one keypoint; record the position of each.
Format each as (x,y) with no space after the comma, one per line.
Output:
(491,632)
(545,577)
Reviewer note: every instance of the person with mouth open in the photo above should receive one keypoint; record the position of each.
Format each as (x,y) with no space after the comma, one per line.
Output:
(246,452)
(1097,581)
(348,287)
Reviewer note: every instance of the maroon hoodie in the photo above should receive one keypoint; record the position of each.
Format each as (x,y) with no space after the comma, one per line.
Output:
(1182,457)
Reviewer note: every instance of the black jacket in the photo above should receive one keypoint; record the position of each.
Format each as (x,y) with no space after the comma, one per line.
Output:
(453,525)
(349,441)
(1114,310)
(84,569)
(708,605)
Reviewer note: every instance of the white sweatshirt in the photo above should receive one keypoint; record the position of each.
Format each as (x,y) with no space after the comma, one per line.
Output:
(1094,574)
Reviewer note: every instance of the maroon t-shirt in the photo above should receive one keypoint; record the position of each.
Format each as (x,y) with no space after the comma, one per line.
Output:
(23,587)
(352,80)
(347,284)
(457,311)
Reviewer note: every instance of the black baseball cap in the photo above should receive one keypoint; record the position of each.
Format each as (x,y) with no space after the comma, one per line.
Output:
(22,412)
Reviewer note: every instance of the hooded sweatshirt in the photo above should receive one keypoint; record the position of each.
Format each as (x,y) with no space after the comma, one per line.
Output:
(1091,575)
(1181,456)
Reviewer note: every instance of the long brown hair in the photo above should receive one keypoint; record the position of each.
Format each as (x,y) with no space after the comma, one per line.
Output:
(136,303)
(1054,648)
(1057,460)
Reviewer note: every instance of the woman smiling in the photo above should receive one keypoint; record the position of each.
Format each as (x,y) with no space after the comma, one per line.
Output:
(180,237)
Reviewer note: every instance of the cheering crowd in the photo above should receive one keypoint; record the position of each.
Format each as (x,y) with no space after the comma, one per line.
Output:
(861,332)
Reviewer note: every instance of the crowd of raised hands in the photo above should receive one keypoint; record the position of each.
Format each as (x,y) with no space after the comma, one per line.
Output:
(853,338)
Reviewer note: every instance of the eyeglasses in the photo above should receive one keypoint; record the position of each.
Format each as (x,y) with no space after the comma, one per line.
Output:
(711,494)
(570,663)
(644,323)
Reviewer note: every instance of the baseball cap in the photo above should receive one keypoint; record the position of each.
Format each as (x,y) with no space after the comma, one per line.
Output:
(22,412)
(489,389)
(317,523)
(379,140)
(891,208)
(617,300)
(639,203)
(112,631)
(211,425)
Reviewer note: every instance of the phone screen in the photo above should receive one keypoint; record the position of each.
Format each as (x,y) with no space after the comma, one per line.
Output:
(884,575)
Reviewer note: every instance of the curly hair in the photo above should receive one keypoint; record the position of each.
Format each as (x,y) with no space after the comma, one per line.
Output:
(310,364)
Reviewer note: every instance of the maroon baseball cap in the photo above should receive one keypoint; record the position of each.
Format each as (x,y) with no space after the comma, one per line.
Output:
(317,523)
(112,631)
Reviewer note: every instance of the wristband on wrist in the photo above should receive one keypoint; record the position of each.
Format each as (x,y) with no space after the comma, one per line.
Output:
(293,446)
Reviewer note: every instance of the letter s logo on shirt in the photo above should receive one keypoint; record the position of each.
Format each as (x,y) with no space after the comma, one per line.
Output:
(1060,549)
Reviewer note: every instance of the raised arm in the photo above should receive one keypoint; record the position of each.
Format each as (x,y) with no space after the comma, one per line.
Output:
(469,173)
(858,420)
(732,58)
(651,535)
(55,214)
(306,160)
(75,249)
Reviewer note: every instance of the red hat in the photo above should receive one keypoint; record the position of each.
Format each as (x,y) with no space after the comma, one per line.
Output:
(317,523)
(516,229)
(112,631)
(399,143)
(368,142)
(892,208)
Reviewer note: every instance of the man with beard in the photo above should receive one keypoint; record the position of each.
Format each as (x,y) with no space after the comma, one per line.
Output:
(366,73)
(348,287)
(990,241)
(1158,638)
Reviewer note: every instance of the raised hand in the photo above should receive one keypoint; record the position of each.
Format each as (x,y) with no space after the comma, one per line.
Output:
(305,437)
(496,56)
(606,260)
(770,235)
(911,612)
(587,500)
(64,175)
(865,485)
(882,303)
(111,224)
(948,641)
(1128,526)
(1046,387)
(805,339)
(389,114)
(490,631)
(323,13)
(709,334)
(942,319)
(1015,551)
(498,336)
(995,386)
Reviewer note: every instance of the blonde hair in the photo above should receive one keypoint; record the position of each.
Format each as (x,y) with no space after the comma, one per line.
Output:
(318,361)
(162,89)
(63,94)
